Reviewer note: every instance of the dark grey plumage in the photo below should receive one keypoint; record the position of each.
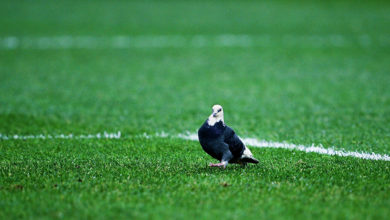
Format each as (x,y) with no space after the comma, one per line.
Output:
(221,142)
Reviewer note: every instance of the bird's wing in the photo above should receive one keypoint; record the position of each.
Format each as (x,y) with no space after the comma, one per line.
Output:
(236,146)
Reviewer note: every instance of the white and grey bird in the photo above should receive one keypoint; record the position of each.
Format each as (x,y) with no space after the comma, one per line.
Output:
(221,142)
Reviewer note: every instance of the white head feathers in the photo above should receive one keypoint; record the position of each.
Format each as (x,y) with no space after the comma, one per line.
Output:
(216,116)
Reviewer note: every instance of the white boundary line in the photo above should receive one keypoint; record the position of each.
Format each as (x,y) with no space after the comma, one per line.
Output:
(103,135)
(192,41)
(194,137)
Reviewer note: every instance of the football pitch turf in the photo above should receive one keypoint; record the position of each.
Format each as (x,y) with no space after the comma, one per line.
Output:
(305,73)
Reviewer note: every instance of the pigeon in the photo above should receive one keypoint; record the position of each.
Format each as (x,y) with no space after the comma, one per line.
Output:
(221,142)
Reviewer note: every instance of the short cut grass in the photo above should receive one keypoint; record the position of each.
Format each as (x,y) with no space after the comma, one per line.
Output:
(334,95)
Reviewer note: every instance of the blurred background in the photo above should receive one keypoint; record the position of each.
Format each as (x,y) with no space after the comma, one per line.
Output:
(306,72)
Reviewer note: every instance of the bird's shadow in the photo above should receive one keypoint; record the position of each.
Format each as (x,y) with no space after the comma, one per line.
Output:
(206,169)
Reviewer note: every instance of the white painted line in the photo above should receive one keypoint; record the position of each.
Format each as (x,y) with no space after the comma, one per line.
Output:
(194,137)
(308,149)
(192,41)
(103,135)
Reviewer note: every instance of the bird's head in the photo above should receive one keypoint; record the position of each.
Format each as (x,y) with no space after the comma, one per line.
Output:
(217,112)
(216,116)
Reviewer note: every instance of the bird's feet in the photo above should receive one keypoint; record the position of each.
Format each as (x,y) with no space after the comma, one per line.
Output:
(223,165)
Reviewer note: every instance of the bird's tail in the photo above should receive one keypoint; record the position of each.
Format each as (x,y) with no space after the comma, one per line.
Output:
(249,160)
(247,156)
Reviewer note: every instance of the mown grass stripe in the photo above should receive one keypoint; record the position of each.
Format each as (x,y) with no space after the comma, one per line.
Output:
(194,137)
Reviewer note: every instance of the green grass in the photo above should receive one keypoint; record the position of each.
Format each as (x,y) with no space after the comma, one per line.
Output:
(167,178)
(331,95)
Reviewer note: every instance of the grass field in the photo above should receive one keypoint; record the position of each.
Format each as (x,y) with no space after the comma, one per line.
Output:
(306,73)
